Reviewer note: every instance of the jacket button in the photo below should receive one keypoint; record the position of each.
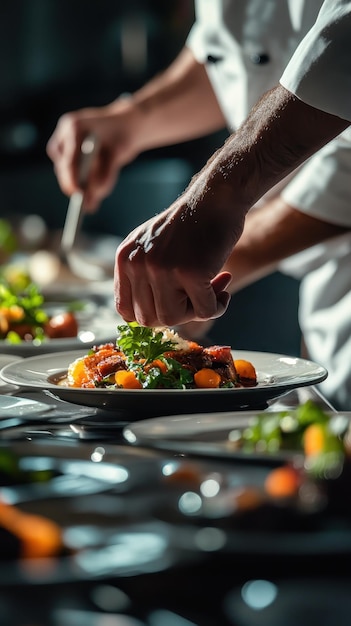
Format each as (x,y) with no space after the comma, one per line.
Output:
(213,59)
(260,58)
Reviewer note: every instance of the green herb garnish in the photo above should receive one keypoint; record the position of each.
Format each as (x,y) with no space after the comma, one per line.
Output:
(144,346)
(29,301)
(286,430)
(141,342)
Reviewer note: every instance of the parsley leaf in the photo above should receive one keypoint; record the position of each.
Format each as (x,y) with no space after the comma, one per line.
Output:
(141,342)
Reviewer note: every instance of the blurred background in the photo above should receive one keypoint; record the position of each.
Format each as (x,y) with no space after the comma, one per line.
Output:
(59,55)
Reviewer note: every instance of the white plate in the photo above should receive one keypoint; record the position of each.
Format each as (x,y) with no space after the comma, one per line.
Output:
(277,374)
(204,434)
(5,359)
(97,323)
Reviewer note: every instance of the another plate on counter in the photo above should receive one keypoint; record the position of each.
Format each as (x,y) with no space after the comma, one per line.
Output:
(205,434)
(210,434)
(97,323)
(277,374)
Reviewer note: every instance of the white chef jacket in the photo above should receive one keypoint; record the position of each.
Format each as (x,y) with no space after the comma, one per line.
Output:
(320,71)
(246,44)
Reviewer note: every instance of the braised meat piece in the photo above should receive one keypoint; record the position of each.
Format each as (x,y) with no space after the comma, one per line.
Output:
(192,359)
(96,366)
(105,361)
(222,362)
(218,358)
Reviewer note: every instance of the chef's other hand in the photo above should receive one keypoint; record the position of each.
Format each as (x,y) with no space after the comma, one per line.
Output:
(115,130)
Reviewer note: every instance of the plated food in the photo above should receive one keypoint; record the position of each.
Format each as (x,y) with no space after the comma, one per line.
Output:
(158,358)
(36,321)
(24,316)
(321,437)
(276,375)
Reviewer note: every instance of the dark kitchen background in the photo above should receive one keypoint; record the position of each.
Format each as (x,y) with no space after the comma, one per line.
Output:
(59,55)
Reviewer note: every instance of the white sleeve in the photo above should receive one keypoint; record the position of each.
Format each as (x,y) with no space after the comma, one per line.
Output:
(319,72)
(197,43)
(321,187)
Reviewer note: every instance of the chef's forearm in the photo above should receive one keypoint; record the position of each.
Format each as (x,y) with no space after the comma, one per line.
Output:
(177,105)
(280,133)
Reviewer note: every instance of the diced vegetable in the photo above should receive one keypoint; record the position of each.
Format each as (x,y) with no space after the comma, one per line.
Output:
(282,482)
(245,369)
(207,378)
(127,380)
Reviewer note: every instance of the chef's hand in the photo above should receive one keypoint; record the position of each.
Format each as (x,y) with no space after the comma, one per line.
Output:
(115,128)
(168,270)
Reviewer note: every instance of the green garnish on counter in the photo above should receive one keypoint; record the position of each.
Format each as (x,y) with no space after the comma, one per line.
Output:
(308,429)
(23,304)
